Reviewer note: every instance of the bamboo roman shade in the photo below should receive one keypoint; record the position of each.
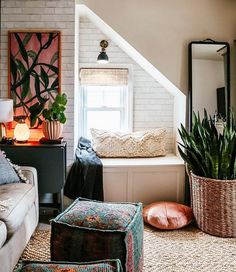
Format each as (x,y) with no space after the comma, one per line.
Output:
(103,77)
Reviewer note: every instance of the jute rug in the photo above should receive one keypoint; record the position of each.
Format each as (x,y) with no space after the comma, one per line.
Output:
(185,250)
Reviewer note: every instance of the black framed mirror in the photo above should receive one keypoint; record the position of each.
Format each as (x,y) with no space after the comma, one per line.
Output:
(209,79)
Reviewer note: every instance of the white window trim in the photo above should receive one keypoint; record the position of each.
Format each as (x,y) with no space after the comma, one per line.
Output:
(129,104)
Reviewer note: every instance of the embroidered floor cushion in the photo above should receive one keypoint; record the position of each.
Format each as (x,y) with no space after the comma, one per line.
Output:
(91,230)
(99,266)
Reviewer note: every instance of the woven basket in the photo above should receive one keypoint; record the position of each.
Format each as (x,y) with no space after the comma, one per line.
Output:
(214,205)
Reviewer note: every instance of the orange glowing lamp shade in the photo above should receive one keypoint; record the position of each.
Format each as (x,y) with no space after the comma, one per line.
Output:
(21,131)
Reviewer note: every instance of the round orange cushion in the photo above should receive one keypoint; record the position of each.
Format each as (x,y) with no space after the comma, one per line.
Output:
(167,215)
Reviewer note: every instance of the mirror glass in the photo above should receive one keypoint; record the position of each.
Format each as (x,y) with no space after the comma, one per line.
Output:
(209,79)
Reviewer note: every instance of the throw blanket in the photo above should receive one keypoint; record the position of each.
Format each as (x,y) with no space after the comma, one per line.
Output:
(85,178)
(5,204)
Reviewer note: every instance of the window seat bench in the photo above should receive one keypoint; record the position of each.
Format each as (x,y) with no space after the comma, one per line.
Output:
(144,180)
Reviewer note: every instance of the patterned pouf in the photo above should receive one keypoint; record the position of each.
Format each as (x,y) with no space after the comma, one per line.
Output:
(91,230)
(100,266)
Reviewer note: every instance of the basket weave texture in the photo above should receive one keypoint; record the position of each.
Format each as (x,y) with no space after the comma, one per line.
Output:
(214,205)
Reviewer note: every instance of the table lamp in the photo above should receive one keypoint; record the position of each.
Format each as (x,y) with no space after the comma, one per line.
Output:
(6,115)
(21,131)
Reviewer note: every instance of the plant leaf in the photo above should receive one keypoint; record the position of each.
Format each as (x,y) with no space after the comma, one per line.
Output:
(44,77)
(39,37)
(54,58)
(27,38)
(13,67)
(32,54)
(25,88)
(55,83)
(22,48)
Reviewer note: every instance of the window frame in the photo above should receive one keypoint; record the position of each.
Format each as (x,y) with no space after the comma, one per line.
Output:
(127,101)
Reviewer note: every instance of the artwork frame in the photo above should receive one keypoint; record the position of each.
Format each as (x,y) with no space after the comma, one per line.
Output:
(34,71)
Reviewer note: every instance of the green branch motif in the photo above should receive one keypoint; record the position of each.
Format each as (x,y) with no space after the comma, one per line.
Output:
(25,76)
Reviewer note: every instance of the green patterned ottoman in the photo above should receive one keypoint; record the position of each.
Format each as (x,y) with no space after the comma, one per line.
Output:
(100,266)
(92,230)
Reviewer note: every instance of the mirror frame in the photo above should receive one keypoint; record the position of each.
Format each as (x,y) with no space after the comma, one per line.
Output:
(190,86)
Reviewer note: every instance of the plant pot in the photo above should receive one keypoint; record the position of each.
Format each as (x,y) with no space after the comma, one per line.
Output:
(52,130)
(214,205)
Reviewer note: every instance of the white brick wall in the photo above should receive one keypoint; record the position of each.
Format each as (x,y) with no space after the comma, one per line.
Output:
(58,15)
(153,105)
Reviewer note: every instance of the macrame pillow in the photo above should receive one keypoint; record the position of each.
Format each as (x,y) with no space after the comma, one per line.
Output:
(9,172)
(149,143)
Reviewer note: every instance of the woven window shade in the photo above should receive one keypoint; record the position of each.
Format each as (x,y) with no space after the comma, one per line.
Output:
(103,77)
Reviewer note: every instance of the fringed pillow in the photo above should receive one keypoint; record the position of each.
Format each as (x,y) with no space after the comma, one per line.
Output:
(149,143)
(9,172)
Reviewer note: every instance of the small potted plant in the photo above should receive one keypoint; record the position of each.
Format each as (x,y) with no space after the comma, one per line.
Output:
(54,118)
(210,159)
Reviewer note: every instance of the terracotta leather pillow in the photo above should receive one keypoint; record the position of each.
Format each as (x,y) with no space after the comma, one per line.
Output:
(167,215)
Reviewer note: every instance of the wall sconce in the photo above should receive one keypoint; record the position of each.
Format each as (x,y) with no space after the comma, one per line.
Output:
(102,57)
(21,131)
(6,115)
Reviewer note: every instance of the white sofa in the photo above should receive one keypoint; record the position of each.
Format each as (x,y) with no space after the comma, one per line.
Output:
(19,220)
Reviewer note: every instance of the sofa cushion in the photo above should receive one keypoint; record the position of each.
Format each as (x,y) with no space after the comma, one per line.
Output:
(3,233)
(149,143)
(8,174)
(21,197)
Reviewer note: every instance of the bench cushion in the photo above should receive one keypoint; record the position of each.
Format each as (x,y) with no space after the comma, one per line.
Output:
(21,197)
(149,143)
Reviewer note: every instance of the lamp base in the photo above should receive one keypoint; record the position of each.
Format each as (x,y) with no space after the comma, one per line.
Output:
(2,131)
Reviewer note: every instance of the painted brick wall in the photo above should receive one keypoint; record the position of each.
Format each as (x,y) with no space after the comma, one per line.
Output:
(153,105)
(32,14)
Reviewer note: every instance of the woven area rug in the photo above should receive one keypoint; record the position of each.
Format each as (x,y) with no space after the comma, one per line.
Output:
(185,250)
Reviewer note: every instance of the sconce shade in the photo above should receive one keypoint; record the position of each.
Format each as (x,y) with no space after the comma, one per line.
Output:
(102,58)
(21,131)
(6,110)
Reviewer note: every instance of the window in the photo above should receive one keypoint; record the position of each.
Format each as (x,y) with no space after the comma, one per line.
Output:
(106,100)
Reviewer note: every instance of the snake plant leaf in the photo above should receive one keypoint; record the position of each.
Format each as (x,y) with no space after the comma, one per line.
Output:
(22,48)
(207,152)
(44,77)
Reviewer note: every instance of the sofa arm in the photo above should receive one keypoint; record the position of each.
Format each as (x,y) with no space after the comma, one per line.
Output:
(31,174)
(32,178)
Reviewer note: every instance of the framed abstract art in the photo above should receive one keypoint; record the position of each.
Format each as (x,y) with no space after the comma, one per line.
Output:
(34,71)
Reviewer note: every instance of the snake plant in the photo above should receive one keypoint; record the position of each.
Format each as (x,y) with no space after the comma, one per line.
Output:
(207,152)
